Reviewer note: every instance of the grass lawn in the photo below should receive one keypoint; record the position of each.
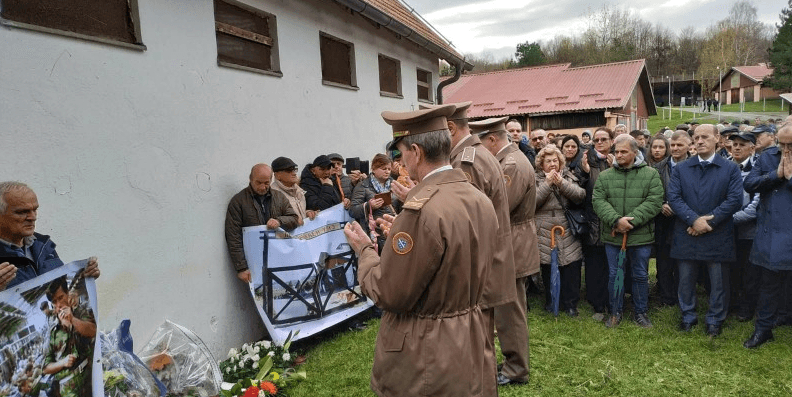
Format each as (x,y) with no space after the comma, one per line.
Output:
(656,122)
(580,357)
(771,105)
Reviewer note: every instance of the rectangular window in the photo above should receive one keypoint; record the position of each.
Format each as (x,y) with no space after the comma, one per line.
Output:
(246,38)
(107,21)
(390,76)
(424,85)
(338,61)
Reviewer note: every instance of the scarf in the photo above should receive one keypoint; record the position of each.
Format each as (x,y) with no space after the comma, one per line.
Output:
(378,186)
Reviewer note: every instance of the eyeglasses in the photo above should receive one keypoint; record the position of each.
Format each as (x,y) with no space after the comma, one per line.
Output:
(598,140)
(539,138)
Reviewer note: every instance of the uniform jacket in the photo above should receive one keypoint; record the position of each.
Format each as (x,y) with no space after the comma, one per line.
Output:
(483,171)
(696,191)
(596,166)
(520,180)
(318,196)
(636,192)
(359,208)
(429,284)
(44,255)
(243,210)
(550,212)
(772,244)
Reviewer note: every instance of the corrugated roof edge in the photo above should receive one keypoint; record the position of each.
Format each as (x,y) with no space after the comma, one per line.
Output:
(555,65)
(607,64)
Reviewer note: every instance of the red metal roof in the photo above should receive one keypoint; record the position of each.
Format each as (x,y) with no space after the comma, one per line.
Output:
(396,10)
(756,73)
(549,89)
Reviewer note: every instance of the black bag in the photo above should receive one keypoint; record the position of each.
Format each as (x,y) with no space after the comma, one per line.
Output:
(576,219)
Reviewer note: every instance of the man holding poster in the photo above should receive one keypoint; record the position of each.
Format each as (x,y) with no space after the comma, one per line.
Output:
(25,254)
(431,276)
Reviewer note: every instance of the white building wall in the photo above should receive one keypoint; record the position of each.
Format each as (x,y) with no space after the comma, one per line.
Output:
(134,155)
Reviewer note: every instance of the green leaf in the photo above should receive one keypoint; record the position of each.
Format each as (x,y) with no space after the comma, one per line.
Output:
(265,364)
(236,389)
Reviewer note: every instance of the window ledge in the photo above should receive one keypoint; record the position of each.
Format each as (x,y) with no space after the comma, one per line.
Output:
(426,101)
(42,29)
(340,85)
(274,73)
(391,95)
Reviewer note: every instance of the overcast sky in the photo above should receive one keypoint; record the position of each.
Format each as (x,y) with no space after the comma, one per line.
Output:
(497,26)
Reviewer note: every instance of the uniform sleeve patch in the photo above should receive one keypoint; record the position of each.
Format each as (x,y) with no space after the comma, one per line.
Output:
(402,243)
(506,180)
(469,178)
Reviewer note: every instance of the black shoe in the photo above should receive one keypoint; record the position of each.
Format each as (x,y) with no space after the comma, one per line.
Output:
(572,312)
(758,338)
(504,381)
(613,321)
(642,320)
(713,330)
(357,325)
(686,327)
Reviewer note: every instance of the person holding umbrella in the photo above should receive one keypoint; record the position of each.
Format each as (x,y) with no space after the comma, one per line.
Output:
(626,198)
(556,188)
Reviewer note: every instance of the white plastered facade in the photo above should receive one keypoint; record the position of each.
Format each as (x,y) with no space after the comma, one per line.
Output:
(134,155)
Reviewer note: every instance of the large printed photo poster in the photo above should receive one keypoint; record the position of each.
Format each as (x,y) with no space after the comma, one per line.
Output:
(305,280)
(48,340)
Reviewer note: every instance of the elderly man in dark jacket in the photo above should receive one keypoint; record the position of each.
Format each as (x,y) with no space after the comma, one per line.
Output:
(255,205)
(705,191)
(667,272)
(771,177)
(320,193)
(626,199)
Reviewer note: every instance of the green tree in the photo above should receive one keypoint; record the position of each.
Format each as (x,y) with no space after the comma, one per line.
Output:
(529,54)
(781,54)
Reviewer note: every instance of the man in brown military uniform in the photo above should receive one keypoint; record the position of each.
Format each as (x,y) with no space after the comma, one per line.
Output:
(430,279)
(519,178)
(483,171)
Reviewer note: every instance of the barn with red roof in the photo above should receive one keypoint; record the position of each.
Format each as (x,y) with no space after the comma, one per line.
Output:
(745,84)
(560,98)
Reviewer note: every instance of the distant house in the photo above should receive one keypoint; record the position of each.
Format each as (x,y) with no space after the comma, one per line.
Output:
(137,121)
(745,84)
(560,98)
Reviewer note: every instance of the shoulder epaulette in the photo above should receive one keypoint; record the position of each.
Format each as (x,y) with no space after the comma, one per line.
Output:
(469,155)
(417,201)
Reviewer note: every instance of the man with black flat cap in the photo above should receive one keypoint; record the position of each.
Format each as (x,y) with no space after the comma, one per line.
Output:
(518,175)
(724,141)
(320,193)
(429,281)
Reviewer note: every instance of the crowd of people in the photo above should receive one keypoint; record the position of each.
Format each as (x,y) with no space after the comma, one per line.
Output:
(708,202)
(460,218)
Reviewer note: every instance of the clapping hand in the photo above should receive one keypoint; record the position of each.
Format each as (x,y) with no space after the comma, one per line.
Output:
(385,223)
(400,190)
(356,237)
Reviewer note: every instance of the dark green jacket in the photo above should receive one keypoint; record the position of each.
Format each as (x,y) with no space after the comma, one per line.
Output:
(636,192)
